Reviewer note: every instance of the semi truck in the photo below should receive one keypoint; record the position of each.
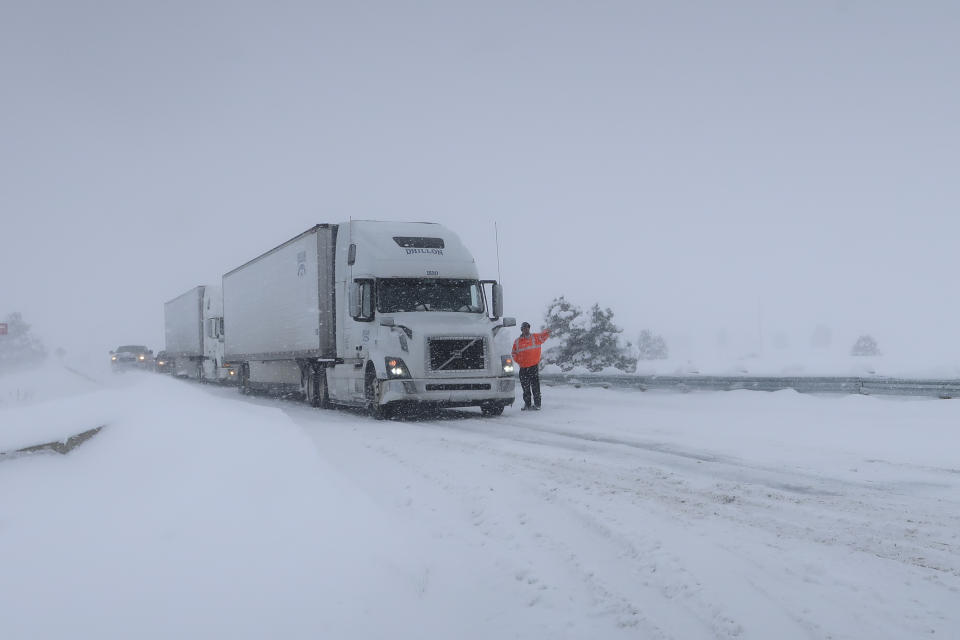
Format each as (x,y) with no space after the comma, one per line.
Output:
(193,331)
(371,314)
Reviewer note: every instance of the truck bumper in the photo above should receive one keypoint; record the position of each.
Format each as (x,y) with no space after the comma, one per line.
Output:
(459,392)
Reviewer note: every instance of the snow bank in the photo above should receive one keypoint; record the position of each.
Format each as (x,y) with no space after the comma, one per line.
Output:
(50,380)
(610,514)
(193,516)
(58,400)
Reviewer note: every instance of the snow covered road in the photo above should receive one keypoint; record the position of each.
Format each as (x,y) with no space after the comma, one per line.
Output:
(685,516)
(610,514)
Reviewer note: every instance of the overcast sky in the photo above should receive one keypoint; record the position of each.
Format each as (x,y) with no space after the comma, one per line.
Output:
(696,166)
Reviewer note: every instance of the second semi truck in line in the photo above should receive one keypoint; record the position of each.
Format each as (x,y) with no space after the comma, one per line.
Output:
(370,314)
(193,335)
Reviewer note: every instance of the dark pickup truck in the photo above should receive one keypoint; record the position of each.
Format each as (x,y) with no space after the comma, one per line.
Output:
(129,356)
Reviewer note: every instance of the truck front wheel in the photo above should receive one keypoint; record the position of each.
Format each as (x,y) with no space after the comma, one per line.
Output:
(491,409)
(374,408)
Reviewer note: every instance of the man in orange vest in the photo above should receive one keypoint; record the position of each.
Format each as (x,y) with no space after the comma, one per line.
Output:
(526,353)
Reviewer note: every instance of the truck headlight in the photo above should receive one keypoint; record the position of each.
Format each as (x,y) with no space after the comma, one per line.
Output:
(507,363)
(143,357)
(113,357)
(396,368)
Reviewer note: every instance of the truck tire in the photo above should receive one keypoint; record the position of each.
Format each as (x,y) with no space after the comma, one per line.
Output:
(317,393)
(323,391)
(309,383)
(491,409)
(372,387)
(243,373)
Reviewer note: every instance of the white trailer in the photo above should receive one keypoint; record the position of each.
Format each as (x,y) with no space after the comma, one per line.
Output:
(370,314)
(193,329)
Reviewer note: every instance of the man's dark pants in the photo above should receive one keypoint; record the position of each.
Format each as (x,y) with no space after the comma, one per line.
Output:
(530,381)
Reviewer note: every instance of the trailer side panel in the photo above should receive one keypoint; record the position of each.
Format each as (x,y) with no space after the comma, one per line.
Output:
(279,305)
(183,324)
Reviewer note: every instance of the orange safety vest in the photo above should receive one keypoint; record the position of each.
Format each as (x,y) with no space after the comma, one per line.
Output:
(526,350)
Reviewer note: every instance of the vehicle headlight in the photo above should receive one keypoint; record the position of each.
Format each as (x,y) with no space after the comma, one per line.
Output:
(143,357)
(507,363)
(161,363)
(396,368)
(113,357)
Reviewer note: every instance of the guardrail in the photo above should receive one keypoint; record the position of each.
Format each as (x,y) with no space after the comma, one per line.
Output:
(62,447)
(847,385)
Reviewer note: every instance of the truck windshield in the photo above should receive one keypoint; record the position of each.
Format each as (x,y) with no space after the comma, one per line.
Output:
(416,294)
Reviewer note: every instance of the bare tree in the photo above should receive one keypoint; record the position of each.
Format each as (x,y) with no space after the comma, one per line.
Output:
(651,346)
(19,348)
(865,346)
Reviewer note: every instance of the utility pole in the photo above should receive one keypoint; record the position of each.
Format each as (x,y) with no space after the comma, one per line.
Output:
(760,324)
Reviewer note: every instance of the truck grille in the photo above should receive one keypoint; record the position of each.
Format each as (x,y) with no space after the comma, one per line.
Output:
(457,354)
(458,387)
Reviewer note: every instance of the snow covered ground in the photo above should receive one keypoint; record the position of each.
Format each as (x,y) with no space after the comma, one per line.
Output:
(197,512)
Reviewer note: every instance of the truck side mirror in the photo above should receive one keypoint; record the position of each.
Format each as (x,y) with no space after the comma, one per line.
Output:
(497,299)
(387,322)
(509,322)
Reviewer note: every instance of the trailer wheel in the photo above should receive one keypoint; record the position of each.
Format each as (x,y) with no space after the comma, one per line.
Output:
(323,391)
(308,381)
(374,408)
(317,393)
(243,371)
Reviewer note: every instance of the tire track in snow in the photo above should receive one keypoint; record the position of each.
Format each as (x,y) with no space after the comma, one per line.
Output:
(644,573)
(595,478)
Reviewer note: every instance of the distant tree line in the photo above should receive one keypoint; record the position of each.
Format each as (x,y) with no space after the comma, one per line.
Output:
(865,345)
(592,340)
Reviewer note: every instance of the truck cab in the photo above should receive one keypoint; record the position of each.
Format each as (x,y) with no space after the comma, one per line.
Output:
(194,335)
(418,325)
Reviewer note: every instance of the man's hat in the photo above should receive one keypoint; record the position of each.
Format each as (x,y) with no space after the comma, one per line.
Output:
(525,325)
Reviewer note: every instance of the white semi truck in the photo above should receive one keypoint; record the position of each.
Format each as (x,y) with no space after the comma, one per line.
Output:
(370,314)
(193,331)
